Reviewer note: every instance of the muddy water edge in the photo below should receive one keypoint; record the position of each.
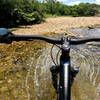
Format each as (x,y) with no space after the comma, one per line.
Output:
(25,75)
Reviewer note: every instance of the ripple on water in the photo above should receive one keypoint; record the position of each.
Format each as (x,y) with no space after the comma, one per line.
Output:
(31,80)
(86,85)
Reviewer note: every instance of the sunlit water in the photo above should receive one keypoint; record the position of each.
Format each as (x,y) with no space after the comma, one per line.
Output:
(87,32)
(42,83)
(30,79)
(87,83)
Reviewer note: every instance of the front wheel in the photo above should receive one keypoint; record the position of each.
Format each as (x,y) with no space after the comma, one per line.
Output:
(64,83)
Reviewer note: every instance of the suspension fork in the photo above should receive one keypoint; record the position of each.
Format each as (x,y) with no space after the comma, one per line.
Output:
(64,83)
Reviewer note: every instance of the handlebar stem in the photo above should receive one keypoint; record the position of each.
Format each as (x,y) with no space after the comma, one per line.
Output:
(65,49)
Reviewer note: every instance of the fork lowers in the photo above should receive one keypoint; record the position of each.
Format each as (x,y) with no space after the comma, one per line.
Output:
(54,73)
(74,72)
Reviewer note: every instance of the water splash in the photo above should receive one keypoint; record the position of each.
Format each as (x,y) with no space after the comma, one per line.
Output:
(27,76)
(42,75)
(87,82)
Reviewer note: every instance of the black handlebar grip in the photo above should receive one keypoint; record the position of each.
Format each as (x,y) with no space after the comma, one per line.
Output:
(84,40)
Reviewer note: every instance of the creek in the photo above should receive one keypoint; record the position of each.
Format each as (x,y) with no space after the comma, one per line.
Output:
(25,69)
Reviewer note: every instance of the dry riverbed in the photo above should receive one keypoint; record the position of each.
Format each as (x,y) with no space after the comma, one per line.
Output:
(58,25)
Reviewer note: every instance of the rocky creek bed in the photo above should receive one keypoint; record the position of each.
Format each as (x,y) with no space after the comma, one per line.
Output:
(25,75)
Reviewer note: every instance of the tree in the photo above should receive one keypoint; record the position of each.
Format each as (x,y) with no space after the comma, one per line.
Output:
(19,12)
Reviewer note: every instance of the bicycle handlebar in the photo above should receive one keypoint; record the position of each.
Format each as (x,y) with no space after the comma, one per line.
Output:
(7,37)
(72,41)
(84,40)
(35,37)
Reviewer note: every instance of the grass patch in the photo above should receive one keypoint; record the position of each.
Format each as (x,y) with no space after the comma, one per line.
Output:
(54,16)
(50,16)
(14,28)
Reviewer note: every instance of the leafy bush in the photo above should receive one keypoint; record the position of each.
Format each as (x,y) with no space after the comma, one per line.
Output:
(83,9)
(19,12)
(23,12)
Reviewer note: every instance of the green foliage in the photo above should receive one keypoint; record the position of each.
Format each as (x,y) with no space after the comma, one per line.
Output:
(6,11)
(19,12)
(56,8)
(86,9)
(83,9)
(29,17)
(23,12)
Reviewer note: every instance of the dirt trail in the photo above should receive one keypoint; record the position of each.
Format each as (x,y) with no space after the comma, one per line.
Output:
(58,25)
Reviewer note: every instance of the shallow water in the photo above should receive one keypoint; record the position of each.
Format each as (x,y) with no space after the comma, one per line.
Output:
(87,82)
(25,74)
(87,32)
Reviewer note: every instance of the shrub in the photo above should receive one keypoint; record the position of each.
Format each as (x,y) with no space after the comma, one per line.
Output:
(19,12)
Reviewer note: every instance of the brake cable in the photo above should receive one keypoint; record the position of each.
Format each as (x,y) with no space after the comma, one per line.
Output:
(56,63)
